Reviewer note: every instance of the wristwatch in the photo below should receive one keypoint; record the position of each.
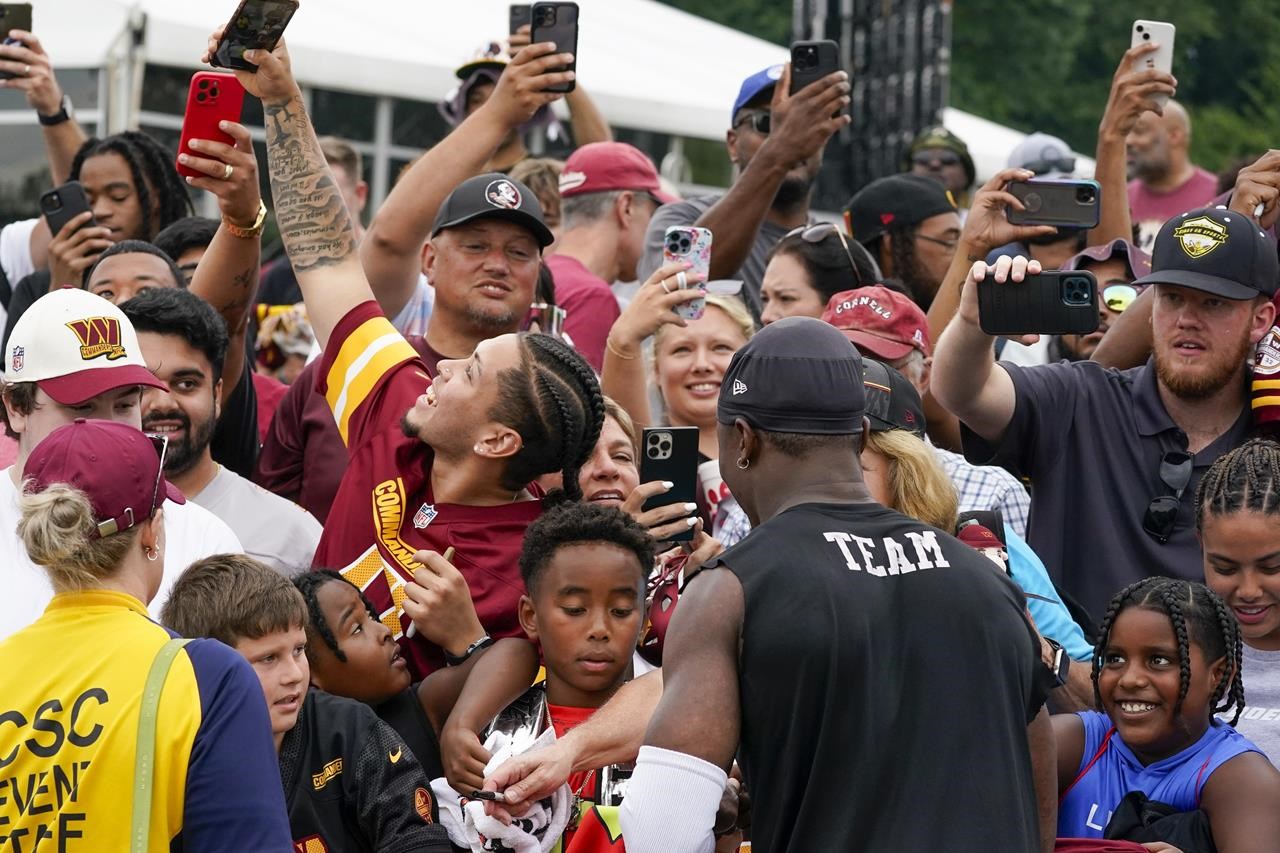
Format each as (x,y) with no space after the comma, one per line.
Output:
(253,230)
(1061,662)
(458,660)
(64,113)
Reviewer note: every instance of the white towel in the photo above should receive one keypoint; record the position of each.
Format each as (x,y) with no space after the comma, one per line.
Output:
(535,831)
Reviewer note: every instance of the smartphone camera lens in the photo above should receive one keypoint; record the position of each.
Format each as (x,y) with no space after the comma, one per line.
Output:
(1086,195)
(685,246)
(1140,28)
(204,84)
(1075,291)
(1146,36)
(55,201)
(201,97)
(546,16)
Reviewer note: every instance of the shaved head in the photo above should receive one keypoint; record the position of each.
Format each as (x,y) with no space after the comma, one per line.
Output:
(1158,145)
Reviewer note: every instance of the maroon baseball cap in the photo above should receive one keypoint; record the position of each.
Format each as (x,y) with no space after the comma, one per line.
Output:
(880,321)
(600,167)
(116,466)
(1138,261)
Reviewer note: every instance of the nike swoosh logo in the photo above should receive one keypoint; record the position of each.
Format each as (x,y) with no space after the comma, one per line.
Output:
(395,756)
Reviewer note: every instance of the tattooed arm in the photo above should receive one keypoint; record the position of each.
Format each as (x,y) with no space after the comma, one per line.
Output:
(227,276)
(314,223)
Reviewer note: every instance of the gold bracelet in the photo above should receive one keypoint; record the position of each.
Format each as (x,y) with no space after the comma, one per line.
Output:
(608,344)
(253,230)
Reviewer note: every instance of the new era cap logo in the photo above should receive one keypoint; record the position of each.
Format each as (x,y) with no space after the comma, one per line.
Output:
(98,336)
(1200,236)
(739,387)
(502,193)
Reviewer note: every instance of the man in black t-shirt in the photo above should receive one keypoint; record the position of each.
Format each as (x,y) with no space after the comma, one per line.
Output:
(876,679)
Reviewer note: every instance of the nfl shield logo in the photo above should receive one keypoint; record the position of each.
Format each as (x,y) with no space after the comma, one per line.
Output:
(19,358)
(424,516)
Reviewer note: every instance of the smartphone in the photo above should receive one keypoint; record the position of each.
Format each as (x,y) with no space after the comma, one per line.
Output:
(692,244)
(1063,204)
(1161,59)
(213,97)
(256,25)
(671,454)
(811,61)
(13,16)
(63,204)
(1055,302)
(519,15)
(557,22)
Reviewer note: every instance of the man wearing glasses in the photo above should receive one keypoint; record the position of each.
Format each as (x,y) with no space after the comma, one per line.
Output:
(775,141)
(939,154)
(1114,457)
(75,355)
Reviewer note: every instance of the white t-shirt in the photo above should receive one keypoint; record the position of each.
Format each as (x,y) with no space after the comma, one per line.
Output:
(15,255)
(190,533)
(274,530)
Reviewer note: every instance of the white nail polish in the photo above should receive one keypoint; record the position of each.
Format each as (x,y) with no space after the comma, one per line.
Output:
(690,507)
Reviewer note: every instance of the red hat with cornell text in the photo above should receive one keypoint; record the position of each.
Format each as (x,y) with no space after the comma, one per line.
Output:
(75,346)
(880,321)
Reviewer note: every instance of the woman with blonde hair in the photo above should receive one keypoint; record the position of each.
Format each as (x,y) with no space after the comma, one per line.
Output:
(142,742)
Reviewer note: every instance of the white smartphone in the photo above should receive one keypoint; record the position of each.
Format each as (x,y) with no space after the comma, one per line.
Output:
(1161,59)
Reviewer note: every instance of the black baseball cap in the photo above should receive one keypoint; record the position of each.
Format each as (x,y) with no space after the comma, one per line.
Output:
(892,401)
(894,201)
(1215,250)
(493,196)
(797,375)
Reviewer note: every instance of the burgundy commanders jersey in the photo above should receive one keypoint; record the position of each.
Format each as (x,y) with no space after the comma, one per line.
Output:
(384,511)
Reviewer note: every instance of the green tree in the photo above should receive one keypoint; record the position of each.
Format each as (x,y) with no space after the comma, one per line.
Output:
(766,19)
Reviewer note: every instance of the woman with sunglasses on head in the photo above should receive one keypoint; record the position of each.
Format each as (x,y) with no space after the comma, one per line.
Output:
(809,266)
(113,722)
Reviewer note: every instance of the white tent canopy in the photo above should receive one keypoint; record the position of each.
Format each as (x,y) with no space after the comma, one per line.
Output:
(648,66)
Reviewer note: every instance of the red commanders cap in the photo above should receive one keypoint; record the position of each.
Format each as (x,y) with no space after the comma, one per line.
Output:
(979,537)
(609,166)
(116,466)
(880,321)
(75,346)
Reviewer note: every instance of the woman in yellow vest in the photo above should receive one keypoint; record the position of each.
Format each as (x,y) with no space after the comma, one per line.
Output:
(113,736)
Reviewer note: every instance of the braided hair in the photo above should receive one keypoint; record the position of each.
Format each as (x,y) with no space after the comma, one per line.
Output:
(553,400)
(1199,616)
(1246,479)
(153,172)
(309,583)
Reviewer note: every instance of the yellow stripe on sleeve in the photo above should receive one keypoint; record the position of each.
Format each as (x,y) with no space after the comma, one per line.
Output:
(1266,384)
(366,355)
(1259,402)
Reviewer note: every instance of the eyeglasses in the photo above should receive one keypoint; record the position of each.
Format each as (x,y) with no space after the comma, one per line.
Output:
(1051,164)
(761,122)
(817,233)
(113,526)
(546,318)
(1162,514)
(1117,297)
(942,158)
(950,245)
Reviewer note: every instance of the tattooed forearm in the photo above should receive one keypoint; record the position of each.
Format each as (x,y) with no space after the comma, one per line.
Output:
(314,222)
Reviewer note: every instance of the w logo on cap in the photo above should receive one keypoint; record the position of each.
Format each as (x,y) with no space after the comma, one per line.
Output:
(98,336)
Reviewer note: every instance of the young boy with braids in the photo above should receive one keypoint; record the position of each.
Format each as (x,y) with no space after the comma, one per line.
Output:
(1237,510)
(434,463)
(1167,660)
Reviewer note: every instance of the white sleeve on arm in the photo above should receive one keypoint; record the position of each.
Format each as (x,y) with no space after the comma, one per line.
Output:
(671,803)
(15,250)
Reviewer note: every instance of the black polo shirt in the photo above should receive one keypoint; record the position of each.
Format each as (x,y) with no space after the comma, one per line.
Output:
(1091,439)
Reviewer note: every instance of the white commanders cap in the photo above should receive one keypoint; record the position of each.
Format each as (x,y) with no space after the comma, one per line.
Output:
(75,346)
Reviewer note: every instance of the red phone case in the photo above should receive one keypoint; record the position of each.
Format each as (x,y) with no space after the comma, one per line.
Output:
(213,97)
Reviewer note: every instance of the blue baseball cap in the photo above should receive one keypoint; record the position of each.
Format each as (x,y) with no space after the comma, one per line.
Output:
(753,86)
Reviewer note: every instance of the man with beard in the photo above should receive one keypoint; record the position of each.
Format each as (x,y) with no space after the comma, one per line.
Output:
(184,342)
(1115,456)
(776,141)
(910,225)
(1164,180)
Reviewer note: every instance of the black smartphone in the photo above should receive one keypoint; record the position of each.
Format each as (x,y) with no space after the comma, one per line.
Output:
(256,25)
(64,203)
(1055,302)
(671,454)
(1063,204)
(519,15)
(13,16)
(811,61)
(557,22)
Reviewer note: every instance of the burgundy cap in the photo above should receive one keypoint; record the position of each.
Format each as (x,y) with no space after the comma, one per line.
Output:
(1138,261)
(114,464)
(881,321)
(609,166)
(977,536)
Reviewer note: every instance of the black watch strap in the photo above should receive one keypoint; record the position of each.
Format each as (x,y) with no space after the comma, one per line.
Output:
(63,114)
(458,660)
(1061,662)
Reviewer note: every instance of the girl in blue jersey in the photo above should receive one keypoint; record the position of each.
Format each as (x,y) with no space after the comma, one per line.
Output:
(1167,660)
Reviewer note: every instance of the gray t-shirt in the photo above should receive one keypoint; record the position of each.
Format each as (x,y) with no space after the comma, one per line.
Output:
(1260,721)
(274,530)
(687,212)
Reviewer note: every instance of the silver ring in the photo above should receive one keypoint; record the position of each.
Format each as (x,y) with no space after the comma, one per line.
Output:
(665,289)
(227,171)
(682,280)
